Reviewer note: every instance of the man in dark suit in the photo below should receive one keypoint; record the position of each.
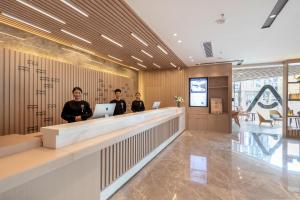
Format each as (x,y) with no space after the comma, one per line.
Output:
(120,103)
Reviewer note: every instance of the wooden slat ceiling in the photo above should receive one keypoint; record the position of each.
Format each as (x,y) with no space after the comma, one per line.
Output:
(113,18)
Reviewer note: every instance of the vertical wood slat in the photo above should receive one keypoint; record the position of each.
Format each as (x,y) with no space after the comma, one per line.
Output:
(123,156)
(12,89)
(134,149)
(141,149)
(144,144)
(106,166)
(102,168)
(48,92)
(150,138)
(2,81)
(36,86)
(130,152)
(45,97)
(32,115)
(6,91)
(54,93)
(118,159)
(114,161)
(110,164)
(138,148)
(23,106)
(127,154)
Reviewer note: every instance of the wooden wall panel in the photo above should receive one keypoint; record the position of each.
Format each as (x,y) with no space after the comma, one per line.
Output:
(33,90)
(161,86)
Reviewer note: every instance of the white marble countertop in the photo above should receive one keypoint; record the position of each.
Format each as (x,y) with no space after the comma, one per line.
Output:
(28,165)
(66,134)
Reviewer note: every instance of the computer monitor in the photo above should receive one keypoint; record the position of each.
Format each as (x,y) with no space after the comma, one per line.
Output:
(104,110)
(156,105)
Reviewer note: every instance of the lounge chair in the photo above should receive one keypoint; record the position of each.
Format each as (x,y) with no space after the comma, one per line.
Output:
(263,120)
(275,115)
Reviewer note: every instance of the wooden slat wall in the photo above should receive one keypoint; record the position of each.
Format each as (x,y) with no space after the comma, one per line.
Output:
(161,86)
(118,158)
(34,89)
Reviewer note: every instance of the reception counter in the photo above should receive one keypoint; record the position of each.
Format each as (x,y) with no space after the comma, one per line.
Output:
(90,159)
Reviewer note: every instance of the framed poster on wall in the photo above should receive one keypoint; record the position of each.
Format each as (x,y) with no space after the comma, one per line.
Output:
(216,106)
(198,92)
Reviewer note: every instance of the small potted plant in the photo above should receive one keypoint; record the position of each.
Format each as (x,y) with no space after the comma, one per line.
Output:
(178,100)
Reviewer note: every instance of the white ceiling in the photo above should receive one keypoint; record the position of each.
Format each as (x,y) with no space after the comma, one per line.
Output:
(241,37)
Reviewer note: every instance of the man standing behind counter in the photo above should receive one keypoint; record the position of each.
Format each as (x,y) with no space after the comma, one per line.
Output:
(120,103)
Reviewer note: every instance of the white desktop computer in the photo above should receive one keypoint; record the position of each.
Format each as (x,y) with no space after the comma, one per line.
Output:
(156,105)
(104,110)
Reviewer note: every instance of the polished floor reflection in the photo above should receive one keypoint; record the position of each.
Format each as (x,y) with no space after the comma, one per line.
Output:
(204,165)
(253,126)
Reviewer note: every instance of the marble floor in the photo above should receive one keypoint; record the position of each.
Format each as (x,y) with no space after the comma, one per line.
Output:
(253,126)
(214,166)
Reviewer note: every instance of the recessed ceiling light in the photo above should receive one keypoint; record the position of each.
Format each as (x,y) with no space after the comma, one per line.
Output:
(173,64)
(40,11)
(19,38)
(139,39)
(76,36)
(175,34)
(145,52)
(190,57)
(134,68)
(273,16)
(162,49)
(136,58)
(111,40)
(74,7)
(73,51)
(115,58)
(142,65)
(156,65)
(82,49)
(36,47)
(95,61)
(27,23)
(179,41)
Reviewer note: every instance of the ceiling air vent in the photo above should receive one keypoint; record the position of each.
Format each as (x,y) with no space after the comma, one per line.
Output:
(208,49)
